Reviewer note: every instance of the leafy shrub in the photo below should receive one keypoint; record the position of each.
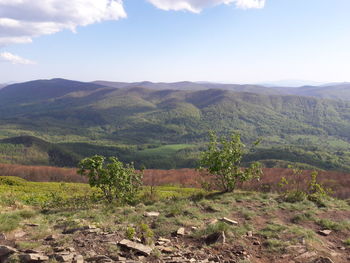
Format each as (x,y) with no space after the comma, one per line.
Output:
(212,229)
(299,187)
(223,160)
(130,232)
(116,181)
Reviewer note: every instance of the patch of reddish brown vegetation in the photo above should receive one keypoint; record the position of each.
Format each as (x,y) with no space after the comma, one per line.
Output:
(42,173)
(339,182)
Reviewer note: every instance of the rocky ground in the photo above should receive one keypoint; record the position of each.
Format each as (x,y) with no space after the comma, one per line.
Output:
(240,227)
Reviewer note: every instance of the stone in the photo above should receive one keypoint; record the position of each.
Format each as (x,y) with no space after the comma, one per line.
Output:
(119,258)
(229,221)
(64,257)
(250,234)
(325,232)
(51,237)
(6,250)
(194,228)
(3,236)
(180,231)
(32,225)
(19,234)
(78,259)
(32,258)
(322,260)
(166,250)
(59,249)
(139,248)
(256,243)
(218,237)
(305,256)
(99,258)
(32,251)
(151,214)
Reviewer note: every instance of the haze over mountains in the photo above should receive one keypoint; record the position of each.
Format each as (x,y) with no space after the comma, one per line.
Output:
(339,91)
(153,114)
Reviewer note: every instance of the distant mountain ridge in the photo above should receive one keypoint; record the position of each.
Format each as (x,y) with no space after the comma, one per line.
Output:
(136,111)
(86,118)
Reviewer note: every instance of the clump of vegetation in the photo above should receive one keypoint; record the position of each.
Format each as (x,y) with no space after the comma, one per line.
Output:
(298,187)
(130,232)
(12,181)
(223,160)
(117,181)
(347,242)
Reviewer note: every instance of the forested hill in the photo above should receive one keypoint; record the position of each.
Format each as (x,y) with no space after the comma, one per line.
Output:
(140,115)
(69,111)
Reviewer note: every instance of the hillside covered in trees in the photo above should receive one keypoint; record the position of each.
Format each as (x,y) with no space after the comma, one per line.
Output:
(164,126)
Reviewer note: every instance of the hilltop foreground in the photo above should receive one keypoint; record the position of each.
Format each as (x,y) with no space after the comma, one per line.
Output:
(62,222)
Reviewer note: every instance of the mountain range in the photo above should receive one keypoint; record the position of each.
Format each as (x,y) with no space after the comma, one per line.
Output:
(139,120)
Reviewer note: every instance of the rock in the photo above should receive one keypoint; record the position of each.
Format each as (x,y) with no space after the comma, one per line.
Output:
(323,260)
(59,249)
(167,250)
(256,243)
(165,240)
(64,257)
(51,237)
(19,234)
(32,251)
(139,248)
(3,236)
(229,221)
(32,258)
(99,258)
(32,225)
(151,214)
(6,250)
(180,231)
(305,256)
(250,234)
(218,237)
(119,258)
(78,259)
(194,228)
(325,232)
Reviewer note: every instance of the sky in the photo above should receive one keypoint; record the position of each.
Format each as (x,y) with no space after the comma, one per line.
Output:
(227,41)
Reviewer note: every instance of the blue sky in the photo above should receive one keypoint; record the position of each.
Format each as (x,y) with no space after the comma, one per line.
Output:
(284,39)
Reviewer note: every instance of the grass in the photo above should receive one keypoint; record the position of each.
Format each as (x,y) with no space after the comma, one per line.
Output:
(333,225)
(11,220)
(347,242)
(275,224)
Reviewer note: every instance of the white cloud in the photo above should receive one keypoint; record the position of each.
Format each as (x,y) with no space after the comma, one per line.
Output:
(14,59)
(21,20)
(197,5)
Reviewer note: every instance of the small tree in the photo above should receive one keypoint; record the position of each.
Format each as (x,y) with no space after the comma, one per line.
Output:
(117,181)
(223,159)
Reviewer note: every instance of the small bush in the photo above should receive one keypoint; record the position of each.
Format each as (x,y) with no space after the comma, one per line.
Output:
(298,187)
(212,229)
(12,181)
(116,180)
(302,218)
(275,245)
(130,232)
